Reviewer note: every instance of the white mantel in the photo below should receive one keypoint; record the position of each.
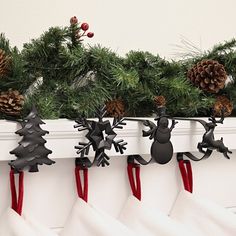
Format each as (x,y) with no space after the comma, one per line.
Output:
(63,137)
(52,190)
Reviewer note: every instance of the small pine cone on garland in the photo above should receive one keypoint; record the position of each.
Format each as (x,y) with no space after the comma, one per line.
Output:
(208,75)
(5,62)
(223,104)
(160,101)
(11,102)
(115,108)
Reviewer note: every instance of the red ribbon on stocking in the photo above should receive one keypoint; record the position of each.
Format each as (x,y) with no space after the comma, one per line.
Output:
(82,190)
(135,182)
(17,203)
(187,175)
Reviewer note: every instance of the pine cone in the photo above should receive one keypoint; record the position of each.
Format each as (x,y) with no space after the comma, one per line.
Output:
(5,62)
(223,104)
(208,75)
(160,101)
(115,108)
(11,102)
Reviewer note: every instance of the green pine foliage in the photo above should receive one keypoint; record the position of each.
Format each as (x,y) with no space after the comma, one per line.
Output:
(17,78)
(78,79)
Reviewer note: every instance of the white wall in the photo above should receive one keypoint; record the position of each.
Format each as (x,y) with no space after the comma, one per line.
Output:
(153,25)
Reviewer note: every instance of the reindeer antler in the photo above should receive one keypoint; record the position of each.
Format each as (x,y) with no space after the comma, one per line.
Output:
(213,119)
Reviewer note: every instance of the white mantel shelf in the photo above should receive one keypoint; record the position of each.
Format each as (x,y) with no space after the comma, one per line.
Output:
(63,137)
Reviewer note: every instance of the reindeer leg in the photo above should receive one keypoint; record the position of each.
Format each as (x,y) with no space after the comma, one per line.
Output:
(200,147)
(226,155)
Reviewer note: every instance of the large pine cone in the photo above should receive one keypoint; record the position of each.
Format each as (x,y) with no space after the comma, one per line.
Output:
(115,108)
(5,62)
(160,101)
(11,102)
(208,75)
(223,104)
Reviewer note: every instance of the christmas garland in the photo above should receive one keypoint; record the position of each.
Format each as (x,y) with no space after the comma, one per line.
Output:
(64,78)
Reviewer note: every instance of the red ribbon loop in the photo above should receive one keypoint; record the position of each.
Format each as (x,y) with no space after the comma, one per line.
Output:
(187,175)
(17,203)
(82,190)
(136,188)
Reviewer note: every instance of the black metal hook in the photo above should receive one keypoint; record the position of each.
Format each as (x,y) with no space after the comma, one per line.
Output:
(101,136)
(137,158)
(83,162)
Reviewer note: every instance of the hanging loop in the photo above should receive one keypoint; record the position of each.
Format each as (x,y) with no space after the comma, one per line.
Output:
(186,172)
(134,179)
(17,202)
(82,189)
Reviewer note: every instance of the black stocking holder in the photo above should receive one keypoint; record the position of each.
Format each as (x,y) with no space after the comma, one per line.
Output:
(162,149)
(101,137)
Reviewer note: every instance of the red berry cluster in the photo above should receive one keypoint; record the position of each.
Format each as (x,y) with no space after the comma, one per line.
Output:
(83,27)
